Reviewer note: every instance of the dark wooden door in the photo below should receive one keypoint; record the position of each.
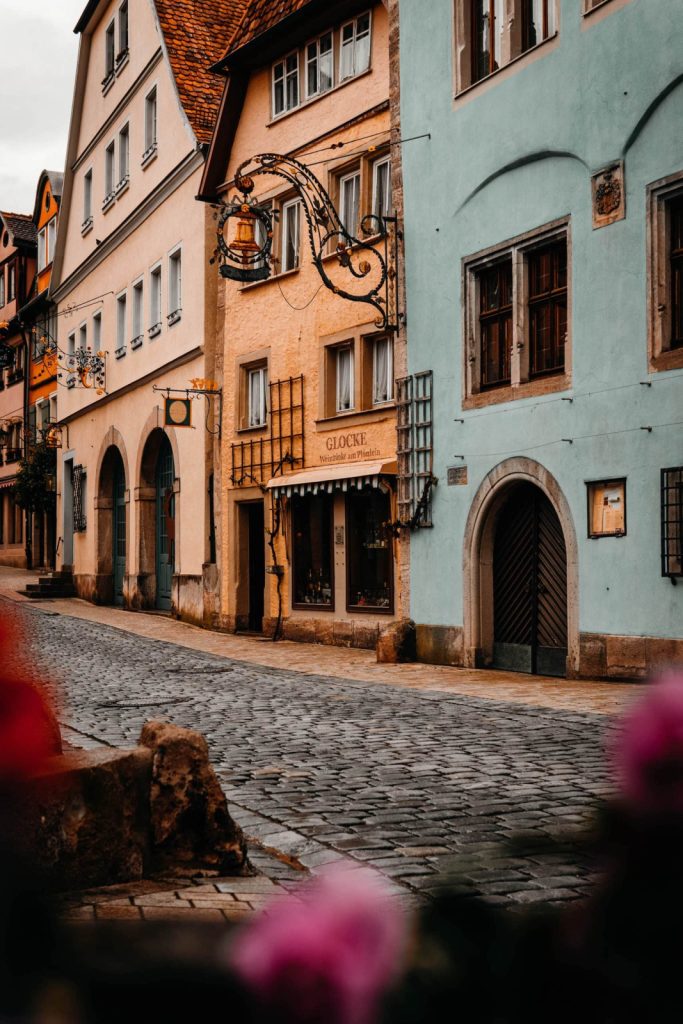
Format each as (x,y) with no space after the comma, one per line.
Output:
(529,586)
(165,525)
(119,532)
(257,564)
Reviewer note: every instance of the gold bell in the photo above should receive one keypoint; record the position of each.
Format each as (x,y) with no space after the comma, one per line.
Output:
(244,241)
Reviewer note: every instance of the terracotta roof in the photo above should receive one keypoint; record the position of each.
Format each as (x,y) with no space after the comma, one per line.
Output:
(21,227)
(197,34)
(261,15)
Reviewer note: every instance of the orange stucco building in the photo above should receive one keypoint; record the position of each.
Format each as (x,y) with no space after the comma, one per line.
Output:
(307,474)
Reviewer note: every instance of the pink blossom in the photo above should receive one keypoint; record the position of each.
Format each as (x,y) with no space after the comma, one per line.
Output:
(327,954)
(648,752)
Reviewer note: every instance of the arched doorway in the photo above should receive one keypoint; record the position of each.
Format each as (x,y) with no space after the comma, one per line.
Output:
(165,524)
(529,584)
(112,534)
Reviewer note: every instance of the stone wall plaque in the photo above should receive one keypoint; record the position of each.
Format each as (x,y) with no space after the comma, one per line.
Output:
(457,476)
(609,197)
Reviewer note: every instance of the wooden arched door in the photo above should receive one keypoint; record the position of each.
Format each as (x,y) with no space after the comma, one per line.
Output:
(529,585)
(165,524)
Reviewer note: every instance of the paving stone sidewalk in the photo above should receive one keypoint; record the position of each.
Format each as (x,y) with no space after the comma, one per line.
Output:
(421,785)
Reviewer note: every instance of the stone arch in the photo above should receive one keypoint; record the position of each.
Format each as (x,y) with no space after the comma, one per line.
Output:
(145,507)
(112,453)
(478,557)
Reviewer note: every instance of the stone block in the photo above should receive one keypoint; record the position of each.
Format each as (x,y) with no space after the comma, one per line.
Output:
(365,637)
(440,645)
(324,631)
(343,632)
(299,630)
(592,656)
(397,643)
(661,652)
(626,657)
(83,820)
(189,814)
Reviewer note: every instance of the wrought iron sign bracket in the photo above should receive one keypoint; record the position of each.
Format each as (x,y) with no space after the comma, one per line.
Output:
(189,394)
(371,262)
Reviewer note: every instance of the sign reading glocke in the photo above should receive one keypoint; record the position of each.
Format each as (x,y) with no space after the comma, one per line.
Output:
(353,446)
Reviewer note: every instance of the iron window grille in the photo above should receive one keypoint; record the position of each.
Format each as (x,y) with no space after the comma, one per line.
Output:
(257,460)
(79,519)
(415,448)
(672,522)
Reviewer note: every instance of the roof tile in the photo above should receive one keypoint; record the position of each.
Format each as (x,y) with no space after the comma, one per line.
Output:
(260,16)
(21,225)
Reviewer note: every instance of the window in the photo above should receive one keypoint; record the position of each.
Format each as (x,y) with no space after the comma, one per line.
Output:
(381,188)
(547,309)
(290,221)
(174,287)
(312,561)
(257,387)
(123,32)
(382,370)
(124,157)
(516,316)
(676,272)
(138,313)
(42,249)
(286,84)
(319,66)
(150,124)
(2,287)
(97,332)
(349,201)
(155,302)
(607,508)
(345,381)
(109,174)
(71,360)
(109,53)
(354,47)
(51,239)
(495,324)
(492,33)
(672,522)
(368,551)
(665,243)
(87,198)
(12,283)
(121,303)
(83,337)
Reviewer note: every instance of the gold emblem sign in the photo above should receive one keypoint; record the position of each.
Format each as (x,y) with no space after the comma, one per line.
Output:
(178,412)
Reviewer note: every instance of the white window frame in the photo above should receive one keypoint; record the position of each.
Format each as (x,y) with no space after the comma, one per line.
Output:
(257,417)
(175,285)
(354,43)
(123,20)
(155,309)
(71,359)
(109,174)
(385,340)
(97,331)
(151,124)
(284,225)
(109,64)
(51,239)
(308,61)
(123,157)
(339,352)
(384,161)
(121,322)
(343,183)
(52,401)
(285,76)
(83,335)
(42,249)
(12,287)
(138,313)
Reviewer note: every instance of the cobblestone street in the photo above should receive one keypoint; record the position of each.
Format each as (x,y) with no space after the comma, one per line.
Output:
(424,785)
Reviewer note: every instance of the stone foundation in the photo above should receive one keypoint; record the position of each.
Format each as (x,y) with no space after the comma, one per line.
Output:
(440,645)
(330,632)
(606,656)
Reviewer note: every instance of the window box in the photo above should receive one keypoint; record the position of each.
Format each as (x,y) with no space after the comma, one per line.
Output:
(121,60)
(149,155)
(108,82)
(154,331)
(137,341)
(120,352)
(174,317)
(87,226)
(122,185)
(108,201)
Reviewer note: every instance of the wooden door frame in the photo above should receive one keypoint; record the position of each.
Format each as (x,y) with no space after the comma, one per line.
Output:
(478,544)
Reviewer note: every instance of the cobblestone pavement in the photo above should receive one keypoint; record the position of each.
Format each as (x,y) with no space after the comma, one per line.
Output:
(422,785)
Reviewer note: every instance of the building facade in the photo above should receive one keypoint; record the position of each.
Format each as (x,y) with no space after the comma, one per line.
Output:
(137,304)
(544,241)
(17,272)
(308,476)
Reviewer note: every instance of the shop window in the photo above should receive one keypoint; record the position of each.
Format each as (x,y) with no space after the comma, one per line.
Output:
(354,56)
(516,317)
(319,66)
(607,508)
(492,33)
(312,552)
(286,84)
(672,522)
(290,230)
(381,187)
(369,556)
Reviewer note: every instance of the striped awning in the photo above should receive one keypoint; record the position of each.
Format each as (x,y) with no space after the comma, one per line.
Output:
(7,483)
(326,479)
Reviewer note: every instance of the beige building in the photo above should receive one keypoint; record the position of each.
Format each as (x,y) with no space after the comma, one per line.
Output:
(308,455)
(132,281)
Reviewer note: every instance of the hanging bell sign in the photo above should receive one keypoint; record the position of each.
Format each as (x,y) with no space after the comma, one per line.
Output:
(245,238)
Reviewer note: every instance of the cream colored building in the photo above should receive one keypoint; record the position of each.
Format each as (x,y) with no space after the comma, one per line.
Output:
(132,280)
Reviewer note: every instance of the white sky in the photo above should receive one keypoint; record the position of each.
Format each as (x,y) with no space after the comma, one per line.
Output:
(39,52)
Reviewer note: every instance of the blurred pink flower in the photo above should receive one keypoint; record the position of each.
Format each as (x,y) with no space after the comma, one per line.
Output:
(328,954)
(648,751)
